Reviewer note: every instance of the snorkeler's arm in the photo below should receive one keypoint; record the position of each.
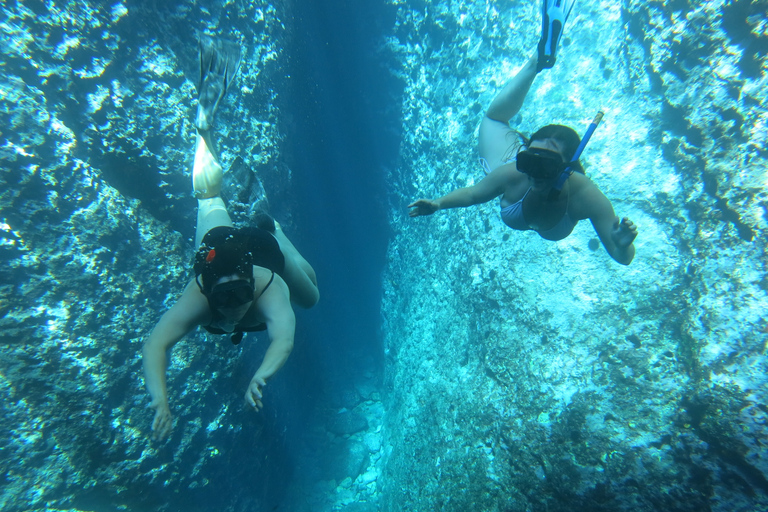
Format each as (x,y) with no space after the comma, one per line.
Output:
(617,236)
(491,186)
(184,316)
(275,306)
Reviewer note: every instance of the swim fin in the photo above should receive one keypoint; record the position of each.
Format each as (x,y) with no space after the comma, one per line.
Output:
(554,15)
(264,221)
(219,62)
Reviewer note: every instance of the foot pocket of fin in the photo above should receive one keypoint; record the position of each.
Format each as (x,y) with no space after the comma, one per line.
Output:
(554,15)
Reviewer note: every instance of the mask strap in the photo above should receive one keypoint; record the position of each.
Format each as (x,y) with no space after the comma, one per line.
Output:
(197,280)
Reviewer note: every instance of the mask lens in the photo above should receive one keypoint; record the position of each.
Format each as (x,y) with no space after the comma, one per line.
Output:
(539,163)
(231,294)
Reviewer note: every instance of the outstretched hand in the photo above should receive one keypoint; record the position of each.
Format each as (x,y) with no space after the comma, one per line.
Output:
(253,393)
(624,233)
(163,422)
(423,207)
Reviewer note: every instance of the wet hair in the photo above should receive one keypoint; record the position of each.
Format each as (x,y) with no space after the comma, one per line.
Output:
(567,138)
(222,253)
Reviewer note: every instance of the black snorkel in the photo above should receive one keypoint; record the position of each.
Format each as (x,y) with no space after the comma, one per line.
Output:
(558,186)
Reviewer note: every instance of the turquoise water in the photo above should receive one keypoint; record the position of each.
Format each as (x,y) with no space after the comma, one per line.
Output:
(452,363)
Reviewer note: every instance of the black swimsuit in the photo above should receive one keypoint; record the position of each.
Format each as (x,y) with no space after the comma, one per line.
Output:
(266,253)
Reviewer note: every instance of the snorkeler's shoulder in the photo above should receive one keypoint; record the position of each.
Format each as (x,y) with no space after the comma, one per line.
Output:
(580,183)
(511,174)
(586,197)
(261,275)
(519,181)
(192,291)
(190,310)
(513,182)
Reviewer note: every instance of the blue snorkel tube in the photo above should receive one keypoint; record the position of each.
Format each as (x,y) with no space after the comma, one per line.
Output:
(568,171)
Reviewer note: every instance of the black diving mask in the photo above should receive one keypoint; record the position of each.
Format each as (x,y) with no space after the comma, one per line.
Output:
(540,163)
(231,294)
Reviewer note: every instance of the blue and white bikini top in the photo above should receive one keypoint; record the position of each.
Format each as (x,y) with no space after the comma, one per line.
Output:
(513,217)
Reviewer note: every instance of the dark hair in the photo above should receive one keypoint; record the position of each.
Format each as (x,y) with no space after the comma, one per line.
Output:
(567,137)
(222,253)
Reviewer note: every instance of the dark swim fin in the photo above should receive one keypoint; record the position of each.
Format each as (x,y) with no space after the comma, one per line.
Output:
(554,15)
(264,221)
(219,62)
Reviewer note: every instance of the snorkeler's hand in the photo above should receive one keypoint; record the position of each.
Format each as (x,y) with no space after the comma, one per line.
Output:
(423,207)
(163,422)
(624,233)
(253,394)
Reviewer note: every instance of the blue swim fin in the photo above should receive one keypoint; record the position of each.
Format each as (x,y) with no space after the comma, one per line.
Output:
(554,15)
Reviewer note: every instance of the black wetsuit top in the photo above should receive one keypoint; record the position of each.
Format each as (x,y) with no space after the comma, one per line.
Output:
(266,253)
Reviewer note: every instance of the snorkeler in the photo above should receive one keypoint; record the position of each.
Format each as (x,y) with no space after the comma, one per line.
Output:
(245,279)
(535,177)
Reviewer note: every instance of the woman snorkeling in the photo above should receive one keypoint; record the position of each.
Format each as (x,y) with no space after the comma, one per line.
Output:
(535,177)
(245,279)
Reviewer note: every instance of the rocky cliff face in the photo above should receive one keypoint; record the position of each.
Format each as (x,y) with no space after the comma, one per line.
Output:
(95,241)
(528,375)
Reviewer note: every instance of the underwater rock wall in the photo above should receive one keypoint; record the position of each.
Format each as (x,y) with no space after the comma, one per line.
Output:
(530,375)
(96,108)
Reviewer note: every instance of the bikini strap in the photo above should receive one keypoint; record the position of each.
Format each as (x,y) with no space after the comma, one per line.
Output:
(265,288)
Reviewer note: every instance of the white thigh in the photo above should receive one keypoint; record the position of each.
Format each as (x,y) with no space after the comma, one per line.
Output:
(211,213)
(496,142)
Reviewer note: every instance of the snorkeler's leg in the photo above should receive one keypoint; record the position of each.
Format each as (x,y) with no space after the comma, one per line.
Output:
(206,171)
(509,101)
(211,213)
(206,181)
(299,274)
(495,136)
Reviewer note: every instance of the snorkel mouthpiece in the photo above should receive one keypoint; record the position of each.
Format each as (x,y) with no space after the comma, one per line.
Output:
(568,170)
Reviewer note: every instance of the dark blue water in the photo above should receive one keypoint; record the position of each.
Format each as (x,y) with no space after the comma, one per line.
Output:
(341,140)
(342,135)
